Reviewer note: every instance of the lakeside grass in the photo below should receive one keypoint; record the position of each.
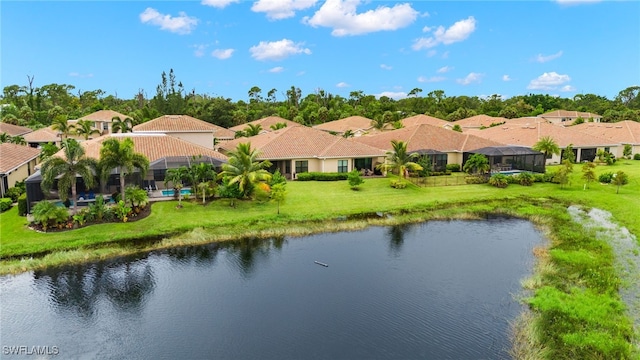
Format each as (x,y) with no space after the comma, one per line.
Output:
(576,309)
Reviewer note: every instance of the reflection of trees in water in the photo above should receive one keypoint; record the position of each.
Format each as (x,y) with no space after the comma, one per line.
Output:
(396,235)
(245,253)
(201,255)
(78,289)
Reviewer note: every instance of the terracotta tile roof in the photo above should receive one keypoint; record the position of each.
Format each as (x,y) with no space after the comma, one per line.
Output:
(183,123)
(153,146)
(42,135)
(266,123)
(103,115)
(479,121)
(528,135)
(353,123)
(425,119)
(303,142)
(13,156)
(423,137)
(13,130)
(569,114)
(623,132)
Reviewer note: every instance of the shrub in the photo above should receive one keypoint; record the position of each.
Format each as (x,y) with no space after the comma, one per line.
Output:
(511,179)
(551,177)
(398,184)
(355,179)
(636,156)
(499,180)
(14,193)
(98,209)
(605,177)
(277,178)
(525,179)
(122,211)
(453,167)
(304,176)
(476,179)
(5,204)
(48,214)
(319,176)
(539,178)
(22,205)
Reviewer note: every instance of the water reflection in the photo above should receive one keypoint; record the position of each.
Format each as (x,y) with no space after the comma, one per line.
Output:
(396,236)
(246,253)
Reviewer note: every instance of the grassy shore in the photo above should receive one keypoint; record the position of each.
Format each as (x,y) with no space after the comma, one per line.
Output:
(577,312)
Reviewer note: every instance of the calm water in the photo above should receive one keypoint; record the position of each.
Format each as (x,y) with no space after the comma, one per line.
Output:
(438,290)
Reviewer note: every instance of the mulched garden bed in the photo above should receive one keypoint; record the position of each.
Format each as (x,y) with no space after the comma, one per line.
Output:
(71,225)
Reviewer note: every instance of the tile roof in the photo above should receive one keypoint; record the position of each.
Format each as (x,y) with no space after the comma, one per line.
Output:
(425,119)
(266,123)
(183,123)
(303,142)
(479,121)
(42,135)
(103,115)
(353,123)
(13,130)
(623,132)
(571,114)
(423,137)
(153,146)
(529,134)
(13,156)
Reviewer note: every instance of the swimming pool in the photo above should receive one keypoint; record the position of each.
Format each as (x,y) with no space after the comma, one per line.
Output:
(170,192)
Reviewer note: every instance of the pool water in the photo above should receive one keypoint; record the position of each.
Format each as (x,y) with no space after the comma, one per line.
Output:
(171,192)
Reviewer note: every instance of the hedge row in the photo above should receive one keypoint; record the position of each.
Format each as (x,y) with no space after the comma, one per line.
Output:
(319,176)
(5,204)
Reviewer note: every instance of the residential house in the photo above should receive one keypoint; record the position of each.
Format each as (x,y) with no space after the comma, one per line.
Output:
(356,125)
(426,119)
(102,120)
(13,130)
(187,128)
(17,162)
(43,136)
(298,149)
(442,145)
(623,133)
(568,117)
(266,124)
(479,122)
(585,146)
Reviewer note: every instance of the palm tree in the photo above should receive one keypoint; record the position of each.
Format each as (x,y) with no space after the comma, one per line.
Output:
(66,170)
(378,123)
(399,160)
(243,168)
(62,126)
(85,129)
(547,145)
(47,150)
(175,177)
(348,133)
(5,138)
(477,163)
(120,125)
(278,126)
(18,140)
(252,130)
(120,154)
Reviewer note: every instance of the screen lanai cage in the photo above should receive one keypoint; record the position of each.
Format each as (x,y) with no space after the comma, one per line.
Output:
(511,158)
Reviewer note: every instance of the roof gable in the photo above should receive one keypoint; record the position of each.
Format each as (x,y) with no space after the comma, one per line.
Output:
(569,114)
(182,123)
(424,119)
(46,134)
(104,116)
(353,123)
(266,123)
(13,156)
(479,121)
(13,130)
(624,132)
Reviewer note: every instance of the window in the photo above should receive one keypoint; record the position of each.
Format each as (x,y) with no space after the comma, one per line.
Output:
(302,166)
(365,163)
(105,126)
(343,166)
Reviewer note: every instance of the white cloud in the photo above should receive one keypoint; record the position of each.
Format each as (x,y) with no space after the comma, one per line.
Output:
(342,84)
(181,24)
(506,78)
(423,79)
(277,50)
(432,53)
(445,69)
(281,9)
(199,49)
(548,81)
(386,67)
(392,94)
(220,4)
(544,58)
(470,79)
(457,32)
(76,74)
(222,54)
(427,29)
(341,15)
(567,88)
(277,69)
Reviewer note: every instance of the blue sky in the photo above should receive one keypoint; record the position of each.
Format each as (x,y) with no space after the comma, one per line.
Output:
(225,47)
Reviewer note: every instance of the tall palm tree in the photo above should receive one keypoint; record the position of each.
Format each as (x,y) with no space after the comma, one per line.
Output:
(244,168)
(121,125)
(61,125)
(378,123)
(252,130)
(74,163)
(18,140)
(85,129)
(120,154)
(5,138)
(547,145)
(399,160)
(278,126)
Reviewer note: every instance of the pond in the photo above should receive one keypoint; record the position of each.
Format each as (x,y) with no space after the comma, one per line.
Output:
(437,290)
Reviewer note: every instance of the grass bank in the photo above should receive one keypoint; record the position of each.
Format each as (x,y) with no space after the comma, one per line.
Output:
(576,309)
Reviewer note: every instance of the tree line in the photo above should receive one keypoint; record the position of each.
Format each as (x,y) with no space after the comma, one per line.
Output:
(38,106)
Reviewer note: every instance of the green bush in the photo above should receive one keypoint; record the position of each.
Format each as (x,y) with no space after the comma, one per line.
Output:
(319,176)
(605,177)
(636,156)
(453,167)
(14,193)
(355,179)
(22,205)
(525,179)
(441,173)
(499,180)
(539,178)
(475,179)
(398,184)
(5,204)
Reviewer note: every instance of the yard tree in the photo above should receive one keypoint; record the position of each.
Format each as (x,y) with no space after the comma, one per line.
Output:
(354,179)
(176,176)
(628,149)
(66,169)
(399,160)
(85,129)
(61,125)
(477,163)
(588,173)
(121,125)
(548,146)
(568,154)
(619,179)
(278,193)
(245,169)
(121,154)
